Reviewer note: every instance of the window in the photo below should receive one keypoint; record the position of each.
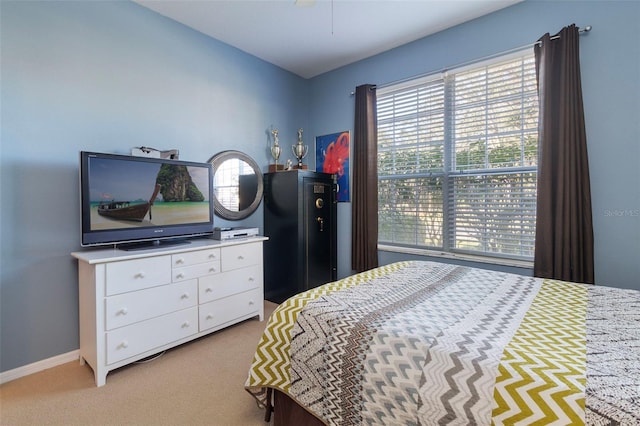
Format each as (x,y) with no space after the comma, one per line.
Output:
(457,160)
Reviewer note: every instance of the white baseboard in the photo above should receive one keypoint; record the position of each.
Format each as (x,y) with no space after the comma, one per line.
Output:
(25,370)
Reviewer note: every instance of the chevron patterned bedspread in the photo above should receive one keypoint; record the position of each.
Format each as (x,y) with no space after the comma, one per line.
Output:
(420,343)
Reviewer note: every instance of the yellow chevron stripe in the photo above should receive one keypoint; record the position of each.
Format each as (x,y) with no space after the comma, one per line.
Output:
(542,374)
(270,366)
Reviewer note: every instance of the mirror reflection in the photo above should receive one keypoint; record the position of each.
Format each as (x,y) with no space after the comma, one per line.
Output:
(237,184)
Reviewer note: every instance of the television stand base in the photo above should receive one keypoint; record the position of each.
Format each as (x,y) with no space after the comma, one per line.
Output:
(147,245)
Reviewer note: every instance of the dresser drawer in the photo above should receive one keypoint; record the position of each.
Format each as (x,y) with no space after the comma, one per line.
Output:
(132,275)
(128,308)
(224,310)
(228,283)
(241,256)
(128,341)
(195,271)
(195,257)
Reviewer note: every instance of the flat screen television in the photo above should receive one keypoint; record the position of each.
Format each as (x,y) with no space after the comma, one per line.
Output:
(138,202)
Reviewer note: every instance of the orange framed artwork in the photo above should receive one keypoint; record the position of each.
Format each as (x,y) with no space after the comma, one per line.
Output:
(333,152)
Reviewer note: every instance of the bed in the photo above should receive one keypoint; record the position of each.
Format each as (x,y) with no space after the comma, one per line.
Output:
(431,343)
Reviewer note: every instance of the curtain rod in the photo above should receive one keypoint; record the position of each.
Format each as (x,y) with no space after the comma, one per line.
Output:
(555,37)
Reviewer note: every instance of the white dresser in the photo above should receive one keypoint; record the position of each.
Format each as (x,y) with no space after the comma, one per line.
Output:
(136,304)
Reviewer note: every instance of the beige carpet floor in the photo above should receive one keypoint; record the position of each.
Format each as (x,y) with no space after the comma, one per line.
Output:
(198,383)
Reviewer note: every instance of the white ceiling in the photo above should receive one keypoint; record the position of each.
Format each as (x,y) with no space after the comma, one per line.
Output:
(310,37)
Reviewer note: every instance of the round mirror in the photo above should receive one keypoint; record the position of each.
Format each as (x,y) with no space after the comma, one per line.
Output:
(237,185)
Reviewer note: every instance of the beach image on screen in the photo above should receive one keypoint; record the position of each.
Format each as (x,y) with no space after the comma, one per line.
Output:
(129,194)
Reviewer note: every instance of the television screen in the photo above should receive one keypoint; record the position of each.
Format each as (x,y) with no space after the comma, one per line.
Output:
(128,199)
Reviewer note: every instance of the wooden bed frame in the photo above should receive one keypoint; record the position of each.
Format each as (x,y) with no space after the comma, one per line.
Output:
(286,412)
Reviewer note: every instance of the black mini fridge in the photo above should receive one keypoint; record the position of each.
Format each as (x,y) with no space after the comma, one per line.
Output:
(300,213)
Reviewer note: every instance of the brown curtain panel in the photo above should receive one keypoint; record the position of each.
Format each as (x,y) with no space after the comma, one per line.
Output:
(364,205)
(564,230)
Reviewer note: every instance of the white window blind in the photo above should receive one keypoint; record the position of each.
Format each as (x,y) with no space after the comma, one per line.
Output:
(457,160)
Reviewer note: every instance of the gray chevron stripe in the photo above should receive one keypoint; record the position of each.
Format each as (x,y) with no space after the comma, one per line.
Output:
(461,366)
(415,294)
(422,323)
(343,355)
(308,359)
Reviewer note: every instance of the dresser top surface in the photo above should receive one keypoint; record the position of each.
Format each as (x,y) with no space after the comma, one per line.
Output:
(103,255)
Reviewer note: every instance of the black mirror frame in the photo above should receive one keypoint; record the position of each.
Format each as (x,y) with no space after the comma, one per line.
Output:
(221,210)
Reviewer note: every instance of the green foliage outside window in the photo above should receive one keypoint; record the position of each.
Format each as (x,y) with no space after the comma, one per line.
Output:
(457,161)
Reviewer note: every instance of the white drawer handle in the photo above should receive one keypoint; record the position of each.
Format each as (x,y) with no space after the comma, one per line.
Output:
(139,275)
(241,257)
(251,279)
(184,296)
(185,324)
(209,317)
(123,345)
(122,311)
(212,269)
(180,275)
(212,256)
(251,303)
(208,290)
(179,261)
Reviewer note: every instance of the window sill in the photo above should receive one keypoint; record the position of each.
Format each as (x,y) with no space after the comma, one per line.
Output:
(458,256)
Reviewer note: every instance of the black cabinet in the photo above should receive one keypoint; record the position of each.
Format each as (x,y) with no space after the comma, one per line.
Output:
(300,220)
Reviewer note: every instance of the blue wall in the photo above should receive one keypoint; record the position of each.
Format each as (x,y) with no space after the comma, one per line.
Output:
(108,76)
(610,63)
